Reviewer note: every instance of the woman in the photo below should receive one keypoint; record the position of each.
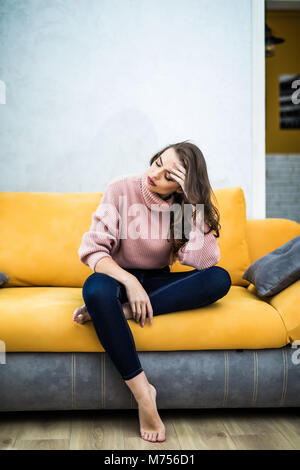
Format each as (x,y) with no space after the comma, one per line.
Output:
(132,277)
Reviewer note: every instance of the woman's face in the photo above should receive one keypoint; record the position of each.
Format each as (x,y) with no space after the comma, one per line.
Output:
(160,173)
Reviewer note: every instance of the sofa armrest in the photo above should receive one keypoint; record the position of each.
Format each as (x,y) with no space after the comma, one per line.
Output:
(287,304)
(265,235)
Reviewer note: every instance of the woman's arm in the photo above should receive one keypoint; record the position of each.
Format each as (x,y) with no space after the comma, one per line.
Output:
(103,235)
(200,251)
(107,265)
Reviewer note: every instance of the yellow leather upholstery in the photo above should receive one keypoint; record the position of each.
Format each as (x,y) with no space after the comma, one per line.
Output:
(287,304)
(40,234)
(40,319)
(44,231)
(265,235)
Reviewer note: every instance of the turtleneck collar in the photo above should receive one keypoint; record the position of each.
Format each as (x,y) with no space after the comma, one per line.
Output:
(153,198)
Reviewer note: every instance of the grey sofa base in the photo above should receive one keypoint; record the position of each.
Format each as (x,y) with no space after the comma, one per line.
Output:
(183,379)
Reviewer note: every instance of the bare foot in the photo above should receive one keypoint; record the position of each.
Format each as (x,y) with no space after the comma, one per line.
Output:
(151,426)
(81,315)
(127,311)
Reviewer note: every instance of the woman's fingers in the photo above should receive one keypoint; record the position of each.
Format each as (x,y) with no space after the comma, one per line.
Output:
(140,309)
(144,313)
(138,312)
(150,312)
(132,305)
(181,167)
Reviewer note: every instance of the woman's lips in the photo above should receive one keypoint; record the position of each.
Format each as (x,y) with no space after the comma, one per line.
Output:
(150,181)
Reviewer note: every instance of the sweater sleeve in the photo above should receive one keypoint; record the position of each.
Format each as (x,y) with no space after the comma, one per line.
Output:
(201,250)
(103,235)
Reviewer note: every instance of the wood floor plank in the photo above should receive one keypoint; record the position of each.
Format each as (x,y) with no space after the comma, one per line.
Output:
(10,427)
(42,444)
(45,425)
(97,430)
(272,441)
(249,421)
(210,429)
(289,427)
(202,430)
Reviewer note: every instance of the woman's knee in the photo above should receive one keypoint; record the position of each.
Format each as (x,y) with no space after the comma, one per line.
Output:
(223,281)
(217,281)
(98,285)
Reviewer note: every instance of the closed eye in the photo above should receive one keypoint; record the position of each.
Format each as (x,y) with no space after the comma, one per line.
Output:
(168,179)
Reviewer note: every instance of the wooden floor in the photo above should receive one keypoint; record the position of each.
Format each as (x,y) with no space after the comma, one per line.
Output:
(210,429)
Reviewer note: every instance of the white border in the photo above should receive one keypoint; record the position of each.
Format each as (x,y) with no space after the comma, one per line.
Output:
(258,111)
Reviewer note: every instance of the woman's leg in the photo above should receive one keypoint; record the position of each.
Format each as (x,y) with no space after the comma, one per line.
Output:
(175,291)
(102,297)
(168,292)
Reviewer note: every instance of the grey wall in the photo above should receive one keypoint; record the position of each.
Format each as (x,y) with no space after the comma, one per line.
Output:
(283,186)
(95,87)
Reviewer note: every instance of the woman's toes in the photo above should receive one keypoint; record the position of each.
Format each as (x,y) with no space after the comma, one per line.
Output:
(76,313)
(161,437)
(81,315)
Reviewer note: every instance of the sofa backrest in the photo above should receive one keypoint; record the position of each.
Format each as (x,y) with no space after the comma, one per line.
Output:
(266,235)
(40,234)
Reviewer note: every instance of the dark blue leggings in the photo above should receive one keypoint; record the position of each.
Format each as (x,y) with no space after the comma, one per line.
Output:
(168,292)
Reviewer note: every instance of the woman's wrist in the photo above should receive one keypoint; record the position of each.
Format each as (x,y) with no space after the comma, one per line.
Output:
(128,279)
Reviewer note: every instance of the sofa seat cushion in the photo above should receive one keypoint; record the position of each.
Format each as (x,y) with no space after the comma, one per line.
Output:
(41,319)
(287,304)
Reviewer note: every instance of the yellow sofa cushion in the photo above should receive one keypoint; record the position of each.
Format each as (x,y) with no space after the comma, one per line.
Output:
(40,234)
(41,319)
(274,233)
(266,235)
(287,303)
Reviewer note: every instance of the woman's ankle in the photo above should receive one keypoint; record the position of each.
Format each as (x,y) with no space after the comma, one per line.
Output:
(140,387)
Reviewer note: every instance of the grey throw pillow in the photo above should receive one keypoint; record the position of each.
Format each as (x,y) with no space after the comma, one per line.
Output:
(277,270)
(3,278)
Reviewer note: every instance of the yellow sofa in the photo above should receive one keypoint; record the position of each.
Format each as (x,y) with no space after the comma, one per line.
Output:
(40,234)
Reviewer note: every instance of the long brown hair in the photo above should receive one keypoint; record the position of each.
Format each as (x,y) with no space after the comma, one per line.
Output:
(198,189)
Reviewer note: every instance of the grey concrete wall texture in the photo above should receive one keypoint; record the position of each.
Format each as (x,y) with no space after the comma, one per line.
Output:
(283,186)
(95,87)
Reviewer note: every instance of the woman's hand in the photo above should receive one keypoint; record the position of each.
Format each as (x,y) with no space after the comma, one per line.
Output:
(179,175)
(139,301)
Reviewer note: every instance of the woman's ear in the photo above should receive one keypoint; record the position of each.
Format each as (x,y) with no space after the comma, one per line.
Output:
(179,190)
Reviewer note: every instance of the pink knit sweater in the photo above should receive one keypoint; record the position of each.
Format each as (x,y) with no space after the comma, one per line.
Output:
(131,242)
